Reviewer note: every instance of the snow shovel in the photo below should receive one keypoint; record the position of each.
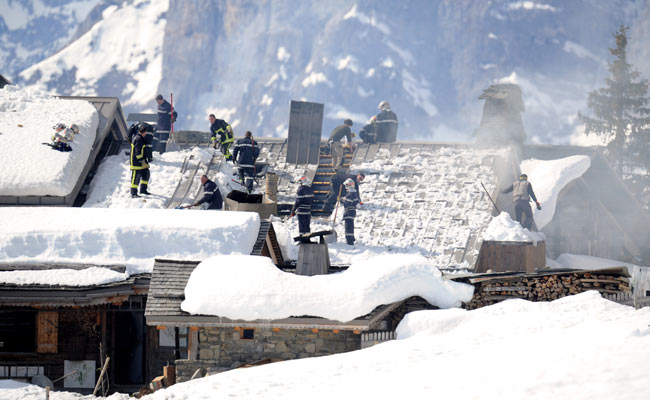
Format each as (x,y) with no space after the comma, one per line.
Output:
(329,239)
(490,197)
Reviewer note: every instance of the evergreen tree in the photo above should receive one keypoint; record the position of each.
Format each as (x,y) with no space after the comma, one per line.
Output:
(622,116)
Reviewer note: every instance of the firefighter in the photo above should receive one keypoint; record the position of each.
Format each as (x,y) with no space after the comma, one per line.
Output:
(522,191)
(337,184)
(226,138)
(350,202)
(166,117)
(148,138)
(245,154)
(302,207)
(139,166)
(336,147)
(386,124)
(368,133)
(211,195)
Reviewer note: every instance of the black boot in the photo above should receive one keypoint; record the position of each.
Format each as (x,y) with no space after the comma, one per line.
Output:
(134,193)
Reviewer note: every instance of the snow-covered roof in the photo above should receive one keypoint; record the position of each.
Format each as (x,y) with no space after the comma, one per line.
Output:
(35,174)
(133,237)
(422,198)
(57,284)
(252,288)
(29,167)
(252,291)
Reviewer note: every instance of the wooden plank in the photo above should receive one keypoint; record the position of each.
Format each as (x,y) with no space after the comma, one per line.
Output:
(506,289)
(47,331)
(193,343)
(313,259)
(605,281)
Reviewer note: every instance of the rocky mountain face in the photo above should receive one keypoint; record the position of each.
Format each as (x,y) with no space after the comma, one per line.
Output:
(245,60)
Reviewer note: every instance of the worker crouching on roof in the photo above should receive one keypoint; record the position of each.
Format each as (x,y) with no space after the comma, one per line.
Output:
(221,135)
(350,202)
(522,191)
(211,195)
(302,207)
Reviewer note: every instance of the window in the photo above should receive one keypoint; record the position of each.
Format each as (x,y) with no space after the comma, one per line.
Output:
(248,334)
(18,331)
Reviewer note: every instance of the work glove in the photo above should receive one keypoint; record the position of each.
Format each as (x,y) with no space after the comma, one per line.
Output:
(539,206)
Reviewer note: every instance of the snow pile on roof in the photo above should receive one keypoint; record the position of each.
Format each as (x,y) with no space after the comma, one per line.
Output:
(110,185)
(542,349)
(63,277)
(132,53)
(422,199)
(133,237)
(548,178)
(250,288)
(26,120)
(579,261)
(503,229)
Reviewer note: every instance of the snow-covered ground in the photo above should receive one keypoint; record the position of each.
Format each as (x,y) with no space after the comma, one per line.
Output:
(250,288)
(30,168)
(133,237)
(548,178)
(577,347)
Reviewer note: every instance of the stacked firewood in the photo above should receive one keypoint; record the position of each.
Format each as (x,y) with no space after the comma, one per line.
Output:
(544,287)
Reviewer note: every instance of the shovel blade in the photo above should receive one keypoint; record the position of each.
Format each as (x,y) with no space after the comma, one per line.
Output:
(331,239)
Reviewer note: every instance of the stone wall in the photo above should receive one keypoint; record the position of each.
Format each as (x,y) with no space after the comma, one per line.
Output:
(221,349)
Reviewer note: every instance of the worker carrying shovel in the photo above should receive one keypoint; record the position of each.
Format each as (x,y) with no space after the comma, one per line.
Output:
(522,191)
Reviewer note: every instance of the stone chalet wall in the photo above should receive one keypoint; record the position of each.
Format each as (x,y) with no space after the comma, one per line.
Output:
(221,349)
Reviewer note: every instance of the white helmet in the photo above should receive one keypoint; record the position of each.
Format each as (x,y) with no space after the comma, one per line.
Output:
(384,105)
(348,182)
(304,181)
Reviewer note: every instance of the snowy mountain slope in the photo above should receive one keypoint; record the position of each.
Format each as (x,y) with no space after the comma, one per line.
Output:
(431,60)
(120,56)
(31,30)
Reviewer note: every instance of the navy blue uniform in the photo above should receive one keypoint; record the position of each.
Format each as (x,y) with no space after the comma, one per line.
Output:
(164,125)
(245,154)
(222,129)
(211,195)
(302,208)
(386,126)
(350,202)
(368,134)
(337,183)
(139,166)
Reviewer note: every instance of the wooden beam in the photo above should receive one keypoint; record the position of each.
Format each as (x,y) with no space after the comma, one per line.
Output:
(193,343)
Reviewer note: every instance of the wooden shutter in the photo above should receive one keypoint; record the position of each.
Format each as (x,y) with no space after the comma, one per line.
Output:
(47,324)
